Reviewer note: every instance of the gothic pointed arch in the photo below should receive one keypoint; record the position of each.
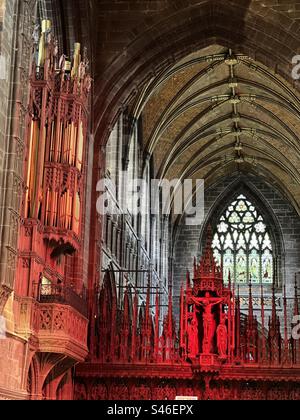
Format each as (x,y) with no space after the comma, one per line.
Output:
(109,286)
(247,237)
(33,379)
(107,320)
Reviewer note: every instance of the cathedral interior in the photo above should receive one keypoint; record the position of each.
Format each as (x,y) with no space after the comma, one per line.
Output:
(107,292)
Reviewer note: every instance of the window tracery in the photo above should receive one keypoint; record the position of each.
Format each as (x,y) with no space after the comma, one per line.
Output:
(242,244)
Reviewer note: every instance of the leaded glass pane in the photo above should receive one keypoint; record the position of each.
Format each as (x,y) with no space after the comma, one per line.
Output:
(254,242)
(234,218)
(241,207)
(247,236)
(248,218)
(223,227)
(267,242)
(267,267)
(260,227)
(241,267)
(243,243)
(216,242)
(235,236)
(228,265)
(254,264)
(218,257)
(228,242)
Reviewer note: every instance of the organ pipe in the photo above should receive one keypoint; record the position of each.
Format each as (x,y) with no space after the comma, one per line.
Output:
(56,136)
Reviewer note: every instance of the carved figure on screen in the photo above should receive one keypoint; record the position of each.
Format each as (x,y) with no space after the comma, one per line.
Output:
(222,338)
(193,346)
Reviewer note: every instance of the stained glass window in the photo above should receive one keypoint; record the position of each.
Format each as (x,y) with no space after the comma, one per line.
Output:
(242,244)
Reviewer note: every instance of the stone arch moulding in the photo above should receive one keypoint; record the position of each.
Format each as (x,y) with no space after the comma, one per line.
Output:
(33,376)
(243,186)
(108,279)
(109,283)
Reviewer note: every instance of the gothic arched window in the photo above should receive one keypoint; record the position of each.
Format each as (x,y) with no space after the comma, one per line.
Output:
(242,244)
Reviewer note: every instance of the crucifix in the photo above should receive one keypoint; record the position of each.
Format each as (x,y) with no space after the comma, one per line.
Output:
(209,323)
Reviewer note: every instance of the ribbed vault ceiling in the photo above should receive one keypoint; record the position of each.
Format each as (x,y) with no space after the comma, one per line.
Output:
(218,112)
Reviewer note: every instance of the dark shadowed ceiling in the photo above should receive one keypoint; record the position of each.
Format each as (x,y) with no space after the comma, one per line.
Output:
(217,112)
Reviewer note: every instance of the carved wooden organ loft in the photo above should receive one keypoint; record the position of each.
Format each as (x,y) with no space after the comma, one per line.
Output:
(213,331)
(58,109)
(55,168)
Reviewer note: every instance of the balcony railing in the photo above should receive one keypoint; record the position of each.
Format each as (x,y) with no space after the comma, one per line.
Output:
(49,293)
